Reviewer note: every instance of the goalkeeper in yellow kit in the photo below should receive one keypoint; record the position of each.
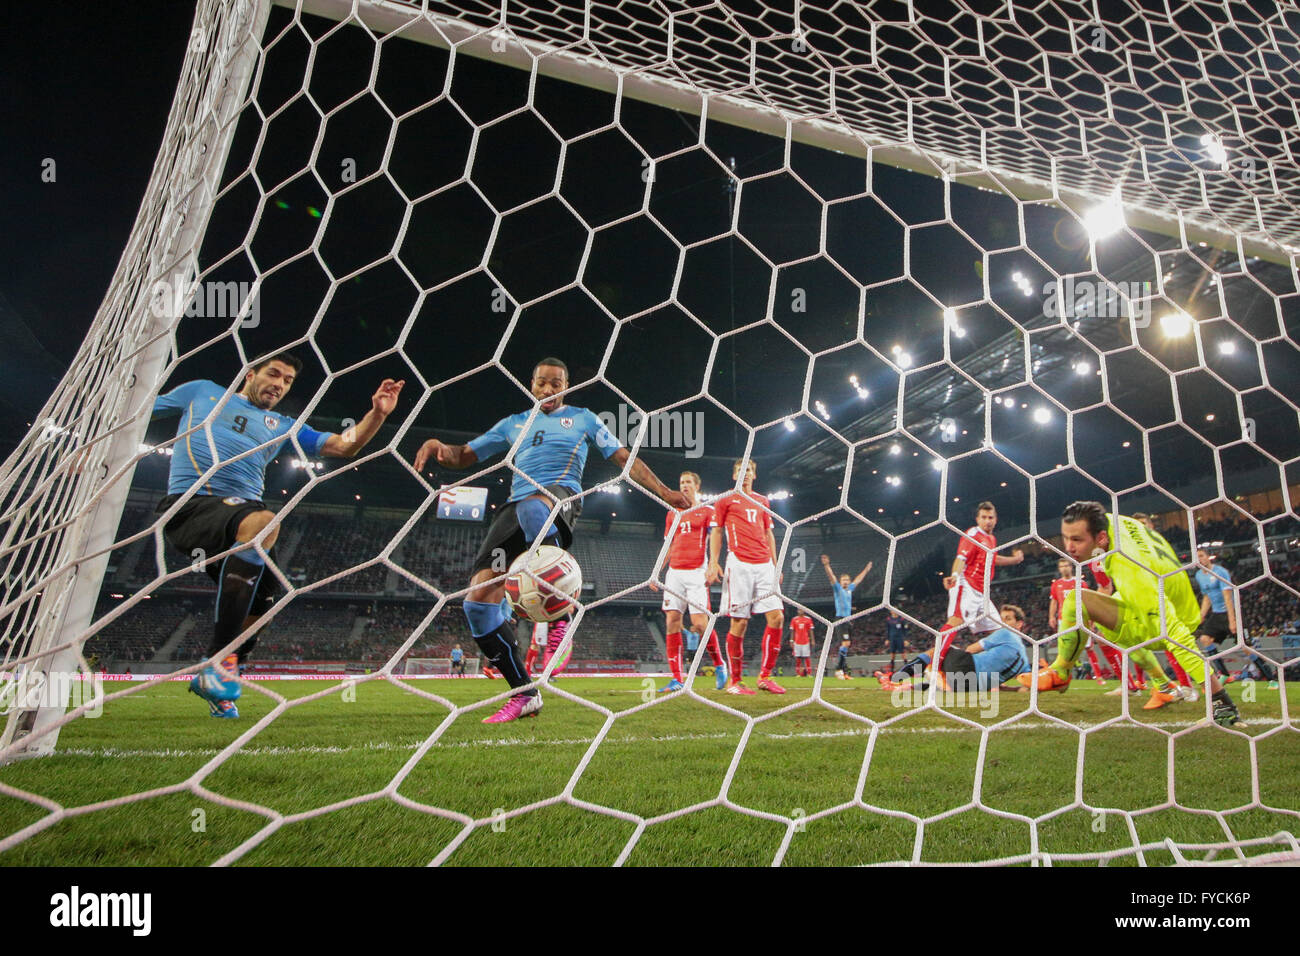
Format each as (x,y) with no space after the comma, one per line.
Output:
(1140,560)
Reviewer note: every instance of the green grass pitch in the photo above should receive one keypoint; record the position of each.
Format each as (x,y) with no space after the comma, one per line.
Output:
(668,757)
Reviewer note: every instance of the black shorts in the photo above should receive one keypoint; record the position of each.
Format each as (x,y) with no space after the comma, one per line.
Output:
(896,644)
(505,539)
(957,661)
(1215,626)
(209,525)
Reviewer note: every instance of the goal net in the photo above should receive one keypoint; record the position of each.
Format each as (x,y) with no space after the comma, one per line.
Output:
(906,257)
(437,667)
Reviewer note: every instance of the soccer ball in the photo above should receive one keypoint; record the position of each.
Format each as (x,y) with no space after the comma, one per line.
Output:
(543,584)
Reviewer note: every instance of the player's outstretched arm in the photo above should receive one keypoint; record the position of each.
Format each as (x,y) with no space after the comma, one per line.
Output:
(1014,557)
(456,457)
(863,573)
(643,476)
(358,436)
(826,565)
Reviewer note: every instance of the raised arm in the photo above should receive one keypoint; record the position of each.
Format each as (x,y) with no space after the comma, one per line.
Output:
(1015,557)
(862,574)
(826,563)
(358,436)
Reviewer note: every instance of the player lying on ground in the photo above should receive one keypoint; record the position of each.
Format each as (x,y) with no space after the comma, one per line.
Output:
(984,665)
(1139,564)
(685,590)
(227,509)
(550,460)
(752,582)
(971,578)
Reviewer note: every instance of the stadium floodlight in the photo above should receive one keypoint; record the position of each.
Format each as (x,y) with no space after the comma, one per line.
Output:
(1082,368)
(905,360)
(789,424)
(1227,347)
(1176,324)
(895,449)
(1214,150)
(821,410)
(938,464)
(1106,218)
(1042,415)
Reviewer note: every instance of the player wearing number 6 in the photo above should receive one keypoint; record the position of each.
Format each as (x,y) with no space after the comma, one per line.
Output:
(227,509)
(550,455)
(751,583)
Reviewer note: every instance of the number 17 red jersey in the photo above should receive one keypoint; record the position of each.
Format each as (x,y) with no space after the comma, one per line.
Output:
(747,521)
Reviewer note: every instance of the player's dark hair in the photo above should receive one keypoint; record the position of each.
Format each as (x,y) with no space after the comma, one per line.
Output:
(553,362)
(1092,512)
(984,506)
(1020,614)
(288,358)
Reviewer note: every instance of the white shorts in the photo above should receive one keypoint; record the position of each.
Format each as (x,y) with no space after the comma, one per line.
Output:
(686,591)
(802,650)
(973,608)
(749,589)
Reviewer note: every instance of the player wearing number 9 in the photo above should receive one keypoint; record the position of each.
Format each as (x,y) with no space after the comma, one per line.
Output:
(226,510)
(550,453)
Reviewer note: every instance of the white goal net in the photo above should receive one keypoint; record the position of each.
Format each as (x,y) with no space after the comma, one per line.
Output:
(905,256)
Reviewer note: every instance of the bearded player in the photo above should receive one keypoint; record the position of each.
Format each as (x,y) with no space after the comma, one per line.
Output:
(750,585)
(968,584)
(1140,564)
(227,510)
(1065,582)
(550,455)
(685,590)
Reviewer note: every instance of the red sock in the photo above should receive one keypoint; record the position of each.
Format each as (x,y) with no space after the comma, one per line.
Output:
(1114,659)
(674,641)
(530,658)
(771,650)
(1139,680)
(714,651)
(1096,665)
(735,656)
(945,642)
(1178,670)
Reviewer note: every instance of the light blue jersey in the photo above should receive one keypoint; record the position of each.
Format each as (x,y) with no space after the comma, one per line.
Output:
(553,451)
(1212,583)
(843,599)
(456,655)
(1002,658)
(238,427)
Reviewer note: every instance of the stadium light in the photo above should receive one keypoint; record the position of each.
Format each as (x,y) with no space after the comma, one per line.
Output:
(821,410)
(1227,347)
(789,424)
(1082,368)
(905,360)
(1106,218)
(895,449)
(1042,415)
(779,496)
(937,464)
(1176,324)
(1214,149)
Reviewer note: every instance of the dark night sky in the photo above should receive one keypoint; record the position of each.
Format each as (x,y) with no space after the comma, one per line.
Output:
(94,92)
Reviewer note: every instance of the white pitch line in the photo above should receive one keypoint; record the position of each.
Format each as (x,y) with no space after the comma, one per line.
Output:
(118,754)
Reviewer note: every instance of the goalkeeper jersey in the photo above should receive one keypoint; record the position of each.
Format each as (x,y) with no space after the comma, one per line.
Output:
(1141,556)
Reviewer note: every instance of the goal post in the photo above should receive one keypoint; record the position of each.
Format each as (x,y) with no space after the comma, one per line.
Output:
(64,487)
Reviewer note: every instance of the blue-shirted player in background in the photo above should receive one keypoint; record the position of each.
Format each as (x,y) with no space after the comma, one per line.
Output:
(550,459)
(988,663)
(843,587)
(1218,612)
(227,508)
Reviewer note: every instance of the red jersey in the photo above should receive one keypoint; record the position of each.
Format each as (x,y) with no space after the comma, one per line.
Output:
(801,629)
(977,548)
(1098,575)
(747,523)
(687,552)
(1060,588)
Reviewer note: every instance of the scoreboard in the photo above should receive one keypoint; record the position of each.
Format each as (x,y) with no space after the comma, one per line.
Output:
(463,503)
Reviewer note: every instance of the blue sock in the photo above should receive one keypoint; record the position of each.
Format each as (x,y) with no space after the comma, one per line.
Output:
(532,514)
(494,635)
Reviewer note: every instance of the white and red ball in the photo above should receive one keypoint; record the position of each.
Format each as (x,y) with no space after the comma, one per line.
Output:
(544,584)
